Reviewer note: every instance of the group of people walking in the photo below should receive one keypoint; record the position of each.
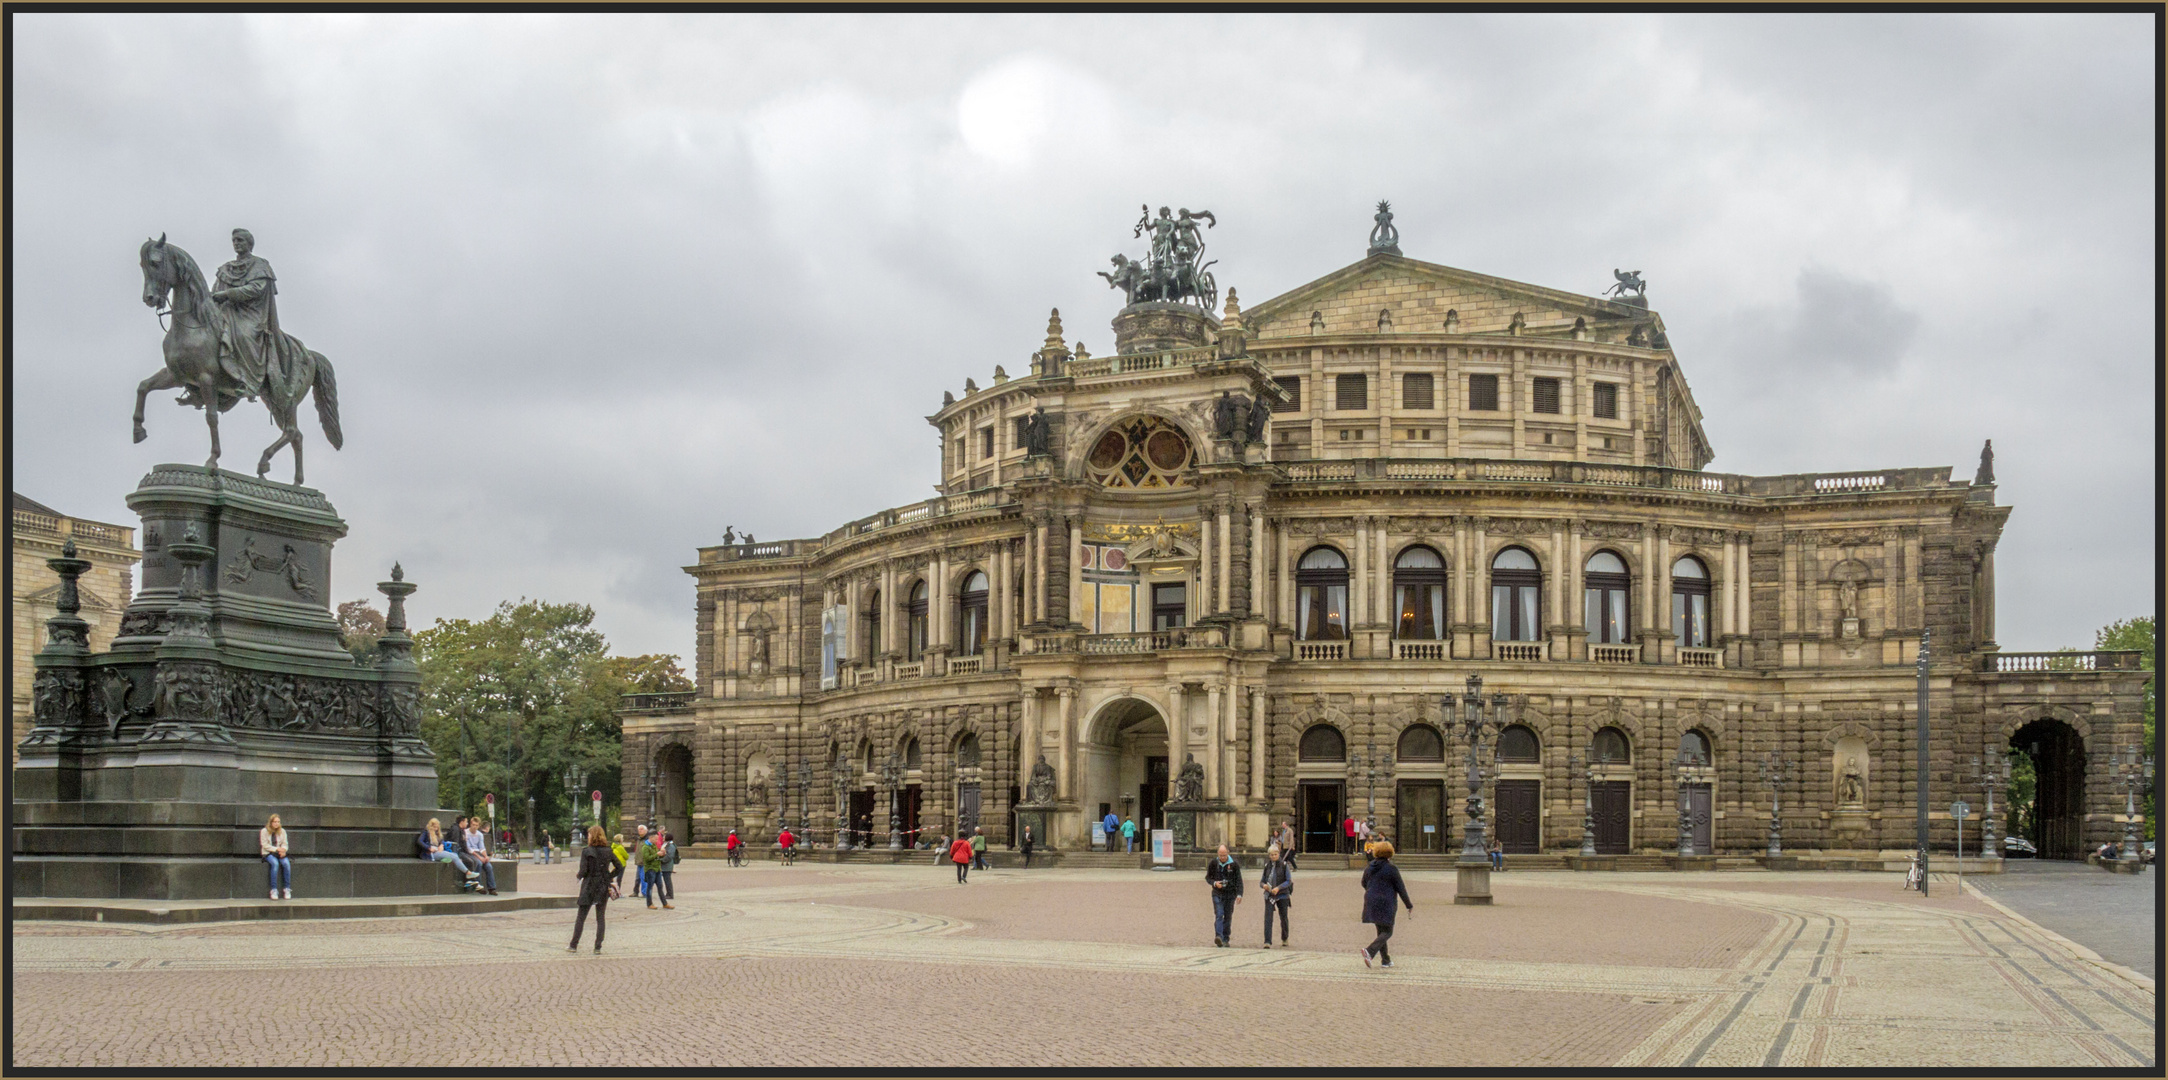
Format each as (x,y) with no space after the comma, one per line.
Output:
(601,875)
(1382,886)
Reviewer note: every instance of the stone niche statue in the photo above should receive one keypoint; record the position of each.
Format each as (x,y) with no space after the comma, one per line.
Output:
(1851,785)
(1189,783)
(1041,788)
(1036,436)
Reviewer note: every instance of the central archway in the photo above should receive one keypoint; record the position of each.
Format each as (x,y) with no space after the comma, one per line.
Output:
(2057,821)
(1124,764)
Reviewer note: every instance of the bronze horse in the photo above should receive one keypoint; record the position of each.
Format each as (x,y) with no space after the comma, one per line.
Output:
(201,330)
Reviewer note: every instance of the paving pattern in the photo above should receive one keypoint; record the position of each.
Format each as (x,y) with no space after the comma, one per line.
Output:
(881,966)
(2115,915)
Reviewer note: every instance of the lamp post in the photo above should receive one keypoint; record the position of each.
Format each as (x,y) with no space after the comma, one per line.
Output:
(2133,774)
(892,779)
(573,783)
(1684,764)
(1919,781)
(1990,771)
(1472,870)
(1585,772)
(652,790)
(843,803)
(805,789)
(1777,772)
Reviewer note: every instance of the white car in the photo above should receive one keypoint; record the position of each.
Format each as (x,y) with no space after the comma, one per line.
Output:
(2017,847)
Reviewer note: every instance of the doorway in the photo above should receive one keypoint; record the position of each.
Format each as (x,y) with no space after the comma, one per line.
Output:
(1319,803)
(1419,816)
(1614,815)
(967,807)
(1152,793)
(1700,824)
(1123,764)
(911,793)
(862,818)
(673,793)
(1520,816)
(2058,810)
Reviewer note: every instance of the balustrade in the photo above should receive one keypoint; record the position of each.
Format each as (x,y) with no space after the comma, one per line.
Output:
(911,671)
(1321,650)
(1517,650)
(965,665)
(1614,654)
(2098,660)
(1705,658)
(1422,650)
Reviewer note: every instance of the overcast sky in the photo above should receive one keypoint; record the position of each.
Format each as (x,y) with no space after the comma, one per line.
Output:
(597,286)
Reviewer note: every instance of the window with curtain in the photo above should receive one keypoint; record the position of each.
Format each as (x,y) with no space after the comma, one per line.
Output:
(873,624)
(971,616)
(1516,596)
(1690,603)
(1419,595)
(1321,596)
(1170,605)
(915,610)
(1606,587)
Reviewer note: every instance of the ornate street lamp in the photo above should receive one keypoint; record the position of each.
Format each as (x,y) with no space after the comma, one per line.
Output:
(573,783)
(1685,764)
(843,802)
(1992,772)
(652,789)
(805,788)
(1777,772)
(2133,774)
(892,779)
(1586,773)
(1472,870)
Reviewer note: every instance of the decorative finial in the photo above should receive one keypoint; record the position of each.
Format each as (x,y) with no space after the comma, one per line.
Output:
(1000,376)
(1384,238)
(1080,353)
(947,399)
(1053,345)
(970,387)
(67,548)
(1233,314)
(398,573)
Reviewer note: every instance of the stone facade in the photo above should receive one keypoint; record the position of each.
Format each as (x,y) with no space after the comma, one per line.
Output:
(106,588)
(1462,458)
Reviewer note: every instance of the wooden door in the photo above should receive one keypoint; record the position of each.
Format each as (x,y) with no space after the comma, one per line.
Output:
(1320,802)
(1419,817)
(1520,816)
(1699,823)
(911,799)
(967,806)
(1614,816)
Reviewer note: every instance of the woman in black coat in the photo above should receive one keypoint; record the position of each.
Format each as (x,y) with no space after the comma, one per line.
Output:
(599,868)
(1381,881)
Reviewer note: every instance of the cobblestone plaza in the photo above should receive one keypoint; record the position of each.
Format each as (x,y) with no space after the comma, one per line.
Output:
(770,966)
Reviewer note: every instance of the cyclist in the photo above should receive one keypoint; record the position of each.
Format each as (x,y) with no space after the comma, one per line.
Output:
(735,848)
(789,844)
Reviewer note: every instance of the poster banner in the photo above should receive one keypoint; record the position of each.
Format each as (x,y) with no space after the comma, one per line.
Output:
(1162,847)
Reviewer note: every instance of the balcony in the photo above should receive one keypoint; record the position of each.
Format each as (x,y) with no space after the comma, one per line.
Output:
(1136,644)
(2099,660)
(1178,360)
(1614,654)
(1321,650)
(965,665)
(1701,658)
(1422,650)
(913,670)
(1523,651)
(1482,470)
(663,702)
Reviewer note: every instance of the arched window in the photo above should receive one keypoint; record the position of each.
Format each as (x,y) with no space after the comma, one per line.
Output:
(1517,744)
(1322,742)
(971,616)
(1321,595)
(1421,742)
(865,754)
(873,625)
(1516,596)
(1690,603)
(1606,587)
(1694,747)
(1419,595)
(915,612)
(967,751)
(1609,747)
(1144,452)
(911,758)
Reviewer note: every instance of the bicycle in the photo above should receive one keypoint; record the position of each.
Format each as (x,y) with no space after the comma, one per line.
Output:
(736,857)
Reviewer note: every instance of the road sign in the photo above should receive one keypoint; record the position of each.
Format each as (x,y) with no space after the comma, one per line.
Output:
(490,798)
(1959,810)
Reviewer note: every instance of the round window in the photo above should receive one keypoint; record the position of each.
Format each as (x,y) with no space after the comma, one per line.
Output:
(1112,446)
(1115,559)
(1167,450)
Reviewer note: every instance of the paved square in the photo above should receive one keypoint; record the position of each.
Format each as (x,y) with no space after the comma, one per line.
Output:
(824,965)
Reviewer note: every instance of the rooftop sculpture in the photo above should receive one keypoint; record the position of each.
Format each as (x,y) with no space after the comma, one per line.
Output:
(1175,270)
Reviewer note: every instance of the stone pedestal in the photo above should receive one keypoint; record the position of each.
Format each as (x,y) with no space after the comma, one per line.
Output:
(1036,815)
(227,697)
(1848,826)
(1472,880)
(1158,326)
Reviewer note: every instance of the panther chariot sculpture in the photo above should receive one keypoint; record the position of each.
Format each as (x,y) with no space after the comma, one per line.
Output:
(225,344)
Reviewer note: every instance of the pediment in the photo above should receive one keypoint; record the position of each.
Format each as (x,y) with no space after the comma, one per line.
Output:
(1419,297)
(49,596)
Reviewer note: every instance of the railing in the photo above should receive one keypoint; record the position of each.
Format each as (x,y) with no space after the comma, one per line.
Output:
(2097,660)
(1601,474)
(1321,650)
(1614,654)
(911,671)
(1861,482)
(1327,471)
(1420,470)
(1517,650)
(965,665)
(1514,470)
(30,521)
(1422,650)
(1649,476)
(659,701)
(1132,363)
(1706,658)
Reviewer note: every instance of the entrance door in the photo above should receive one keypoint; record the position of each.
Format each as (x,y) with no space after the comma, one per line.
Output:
(1419,816)
(967,806)
(1320,802)
(2058,810)
(862,818)
(1520,816)
(1152,794)
(911,795)
(1614,816)
(1699,821)
(1015,796)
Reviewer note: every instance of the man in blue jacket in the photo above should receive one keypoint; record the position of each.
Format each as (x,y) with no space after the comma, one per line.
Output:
(1224,875)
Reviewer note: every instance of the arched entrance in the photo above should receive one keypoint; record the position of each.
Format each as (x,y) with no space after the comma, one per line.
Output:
(674,792)
(2058,811)
(1124,765)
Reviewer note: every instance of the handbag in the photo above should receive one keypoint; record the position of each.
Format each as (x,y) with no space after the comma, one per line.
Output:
(613,890)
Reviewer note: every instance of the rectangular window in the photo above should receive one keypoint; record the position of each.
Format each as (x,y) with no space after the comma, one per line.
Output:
(1291,385)
(1546,395)
(986,442)
(1415,392)
(1483,393)
(1351,392)
(1606,399)
(1170,606)
(1018,438)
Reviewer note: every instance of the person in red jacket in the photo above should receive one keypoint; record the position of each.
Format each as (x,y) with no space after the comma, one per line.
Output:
(1347,832)
(731,844)
(959,852)
(788,844)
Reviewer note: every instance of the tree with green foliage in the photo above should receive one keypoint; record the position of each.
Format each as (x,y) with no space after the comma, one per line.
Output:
(510,701)
(2135,634)
(360,626)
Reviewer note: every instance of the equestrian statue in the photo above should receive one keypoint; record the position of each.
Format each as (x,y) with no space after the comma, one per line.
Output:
(226,344)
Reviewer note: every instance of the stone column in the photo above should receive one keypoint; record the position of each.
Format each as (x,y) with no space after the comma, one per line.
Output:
(1065,771)
(1285,616)
(1359,588)
(1664,629)
(1561,581)
(853,634)
(1479,570)
(1177,734)
(1648,594)
(1230,779)
(1071,581)
(1987,598)
(1033,744)
(1225,535)
(1004,599)
(1257,747)
(1253,559)
(1381,573)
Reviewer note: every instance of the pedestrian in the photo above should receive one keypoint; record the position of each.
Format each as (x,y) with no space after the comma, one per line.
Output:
(623,858)
(1286,840)
(669,867)
(1224,874)
(787,845)
(1347,835)
(651,870)
(477,843)
(549,850)
(271,842)
(1026,845)
(959,852)
(1497,855)
(978,848)
(600,870)
(940,849)
(1113,826)
(1129,836)
(1279,889)
(1381,882)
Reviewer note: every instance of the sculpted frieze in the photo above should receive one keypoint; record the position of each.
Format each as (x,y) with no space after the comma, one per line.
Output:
(1611,530)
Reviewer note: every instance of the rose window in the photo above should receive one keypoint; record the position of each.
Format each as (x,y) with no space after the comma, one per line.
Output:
(1141,453)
